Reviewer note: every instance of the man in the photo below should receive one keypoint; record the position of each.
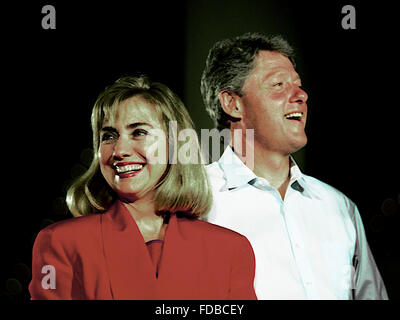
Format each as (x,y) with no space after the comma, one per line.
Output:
(308,238)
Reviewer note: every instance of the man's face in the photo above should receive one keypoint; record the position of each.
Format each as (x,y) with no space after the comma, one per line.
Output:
(274,105)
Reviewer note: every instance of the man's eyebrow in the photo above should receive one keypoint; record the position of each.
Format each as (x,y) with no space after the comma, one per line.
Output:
(271,73)
(277,72)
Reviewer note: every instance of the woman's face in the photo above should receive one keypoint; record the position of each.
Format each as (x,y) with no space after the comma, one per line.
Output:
(132,151)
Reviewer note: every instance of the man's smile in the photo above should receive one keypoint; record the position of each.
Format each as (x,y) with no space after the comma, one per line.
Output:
(294,116)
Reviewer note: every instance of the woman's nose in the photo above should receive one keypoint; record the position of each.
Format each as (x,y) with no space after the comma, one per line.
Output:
(122,148)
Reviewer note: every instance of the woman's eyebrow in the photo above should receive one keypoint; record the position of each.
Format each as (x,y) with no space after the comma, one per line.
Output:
(108,129)
(138,124)
(128,126)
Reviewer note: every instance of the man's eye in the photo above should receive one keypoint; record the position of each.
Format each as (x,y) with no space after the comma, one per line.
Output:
(278,84)
(139,132)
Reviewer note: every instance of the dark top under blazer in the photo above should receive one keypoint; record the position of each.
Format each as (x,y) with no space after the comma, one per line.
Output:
(104,256)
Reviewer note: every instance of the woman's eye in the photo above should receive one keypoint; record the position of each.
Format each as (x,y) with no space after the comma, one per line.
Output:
(107,137)
(139,132)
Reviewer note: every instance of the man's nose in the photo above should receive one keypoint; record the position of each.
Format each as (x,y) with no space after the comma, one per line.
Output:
(299,95)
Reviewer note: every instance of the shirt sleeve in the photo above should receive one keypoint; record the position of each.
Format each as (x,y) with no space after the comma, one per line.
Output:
(367,281)
(243,271)
(52,271)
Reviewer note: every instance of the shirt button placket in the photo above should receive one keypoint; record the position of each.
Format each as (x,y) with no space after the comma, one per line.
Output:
(297,250)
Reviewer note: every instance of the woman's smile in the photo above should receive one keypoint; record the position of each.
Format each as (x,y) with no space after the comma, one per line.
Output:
(128,169)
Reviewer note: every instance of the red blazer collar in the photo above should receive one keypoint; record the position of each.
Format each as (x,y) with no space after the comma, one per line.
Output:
(130,268)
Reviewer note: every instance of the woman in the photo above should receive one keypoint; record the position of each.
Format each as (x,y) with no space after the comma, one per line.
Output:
(136,234)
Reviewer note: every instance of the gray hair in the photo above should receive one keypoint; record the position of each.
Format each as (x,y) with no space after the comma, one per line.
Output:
(228,65)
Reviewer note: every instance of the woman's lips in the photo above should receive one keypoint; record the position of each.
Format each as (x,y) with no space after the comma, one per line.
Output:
(129,174)
(128,169)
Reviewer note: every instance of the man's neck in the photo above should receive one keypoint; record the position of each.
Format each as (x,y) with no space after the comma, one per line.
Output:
(272,166)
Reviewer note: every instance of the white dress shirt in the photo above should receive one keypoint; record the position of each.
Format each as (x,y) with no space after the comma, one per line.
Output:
(305,246)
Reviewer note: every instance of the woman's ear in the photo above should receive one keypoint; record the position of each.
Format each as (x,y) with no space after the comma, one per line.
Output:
(231,103)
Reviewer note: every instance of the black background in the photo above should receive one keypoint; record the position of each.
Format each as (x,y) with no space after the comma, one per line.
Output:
(51,78)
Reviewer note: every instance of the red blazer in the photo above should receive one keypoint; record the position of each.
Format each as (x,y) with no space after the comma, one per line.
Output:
(104,256)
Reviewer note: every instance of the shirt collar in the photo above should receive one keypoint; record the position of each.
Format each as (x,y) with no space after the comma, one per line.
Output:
(235,171)
(299,182)
(237,174)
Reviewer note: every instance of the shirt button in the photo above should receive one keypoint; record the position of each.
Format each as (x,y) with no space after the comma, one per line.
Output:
(297,245)
(308,283)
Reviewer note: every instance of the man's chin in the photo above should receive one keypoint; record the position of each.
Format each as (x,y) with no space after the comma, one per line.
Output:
(298,145)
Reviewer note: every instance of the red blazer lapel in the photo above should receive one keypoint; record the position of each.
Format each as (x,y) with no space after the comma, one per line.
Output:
(182,262)
(129,264)
(183,266)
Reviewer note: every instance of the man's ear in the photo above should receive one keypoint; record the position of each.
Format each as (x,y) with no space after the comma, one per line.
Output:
(231,103)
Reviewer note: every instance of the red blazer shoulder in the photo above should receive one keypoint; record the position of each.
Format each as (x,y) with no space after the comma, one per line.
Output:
(61,250)
(74,228)
(226,255)
(217,239)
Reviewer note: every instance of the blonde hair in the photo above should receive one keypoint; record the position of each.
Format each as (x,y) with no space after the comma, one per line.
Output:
(183,189)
